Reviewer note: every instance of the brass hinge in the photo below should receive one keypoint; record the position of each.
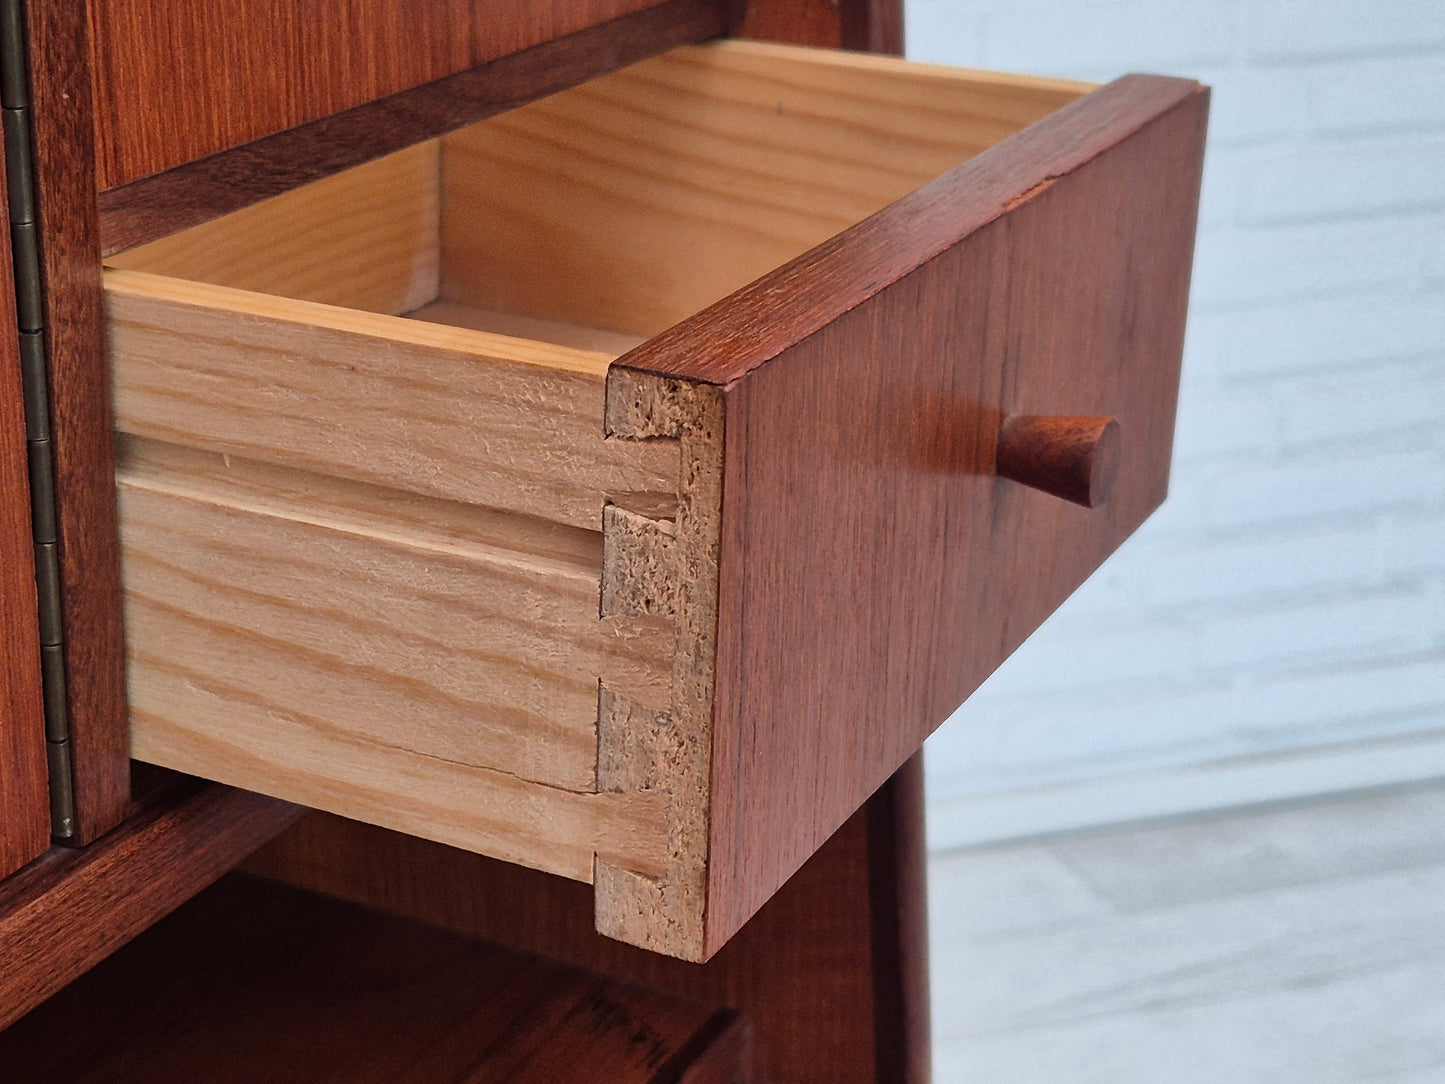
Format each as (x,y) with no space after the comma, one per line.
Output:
(30,309)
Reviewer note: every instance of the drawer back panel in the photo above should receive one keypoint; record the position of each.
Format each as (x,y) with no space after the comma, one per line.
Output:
(644,196)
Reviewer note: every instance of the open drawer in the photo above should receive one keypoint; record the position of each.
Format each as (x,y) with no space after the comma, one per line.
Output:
(613,486)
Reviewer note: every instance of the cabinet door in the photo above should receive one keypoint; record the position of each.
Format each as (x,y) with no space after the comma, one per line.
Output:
(24,816)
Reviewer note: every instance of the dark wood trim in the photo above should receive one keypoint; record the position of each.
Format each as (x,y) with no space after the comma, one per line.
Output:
(186,195)
(24,809)
(69,909)
(873,26)
(80,413)
(898,903)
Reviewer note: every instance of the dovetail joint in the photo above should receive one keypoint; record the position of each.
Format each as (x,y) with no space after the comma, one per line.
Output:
(30,310)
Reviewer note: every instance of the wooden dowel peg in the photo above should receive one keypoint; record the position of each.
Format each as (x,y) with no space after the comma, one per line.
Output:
(1073,458)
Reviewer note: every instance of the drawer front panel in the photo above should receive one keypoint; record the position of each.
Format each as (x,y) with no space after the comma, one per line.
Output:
(873,568)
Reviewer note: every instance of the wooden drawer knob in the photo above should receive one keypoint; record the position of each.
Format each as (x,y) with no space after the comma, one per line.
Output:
(1073,458)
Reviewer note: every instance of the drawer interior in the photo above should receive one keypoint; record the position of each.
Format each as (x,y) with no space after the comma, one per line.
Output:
(606,213)
(368,502)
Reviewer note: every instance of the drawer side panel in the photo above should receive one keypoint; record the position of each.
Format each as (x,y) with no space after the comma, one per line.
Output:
(422,664)
(445,412)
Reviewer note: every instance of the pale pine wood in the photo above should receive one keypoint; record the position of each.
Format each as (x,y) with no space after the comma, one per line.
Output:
(641,197)
(750,154)
(209,725)
(366,238)
(416,662)
(460,314)
(430,678)
(489,420)
(377,622)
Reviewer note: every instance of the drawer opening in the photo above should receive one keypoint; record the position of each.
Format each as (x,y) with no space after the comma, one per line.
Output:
(599,216)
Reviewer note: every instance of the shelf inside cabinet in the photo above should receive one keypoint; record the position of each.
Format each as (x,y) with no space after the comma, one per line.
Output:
(255,981)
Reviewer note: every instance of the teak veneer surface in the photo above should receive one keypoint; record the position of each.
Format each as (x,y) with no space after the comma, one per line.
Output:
(71,908)
(1050,276)
(252,981)
(176,81)
(873,26)
(80,414)
(196,191)
(832,972)
(24,807)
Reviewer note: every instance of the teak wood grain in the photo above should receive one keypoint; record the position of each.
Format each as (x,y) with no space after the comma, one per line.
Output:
(69,909)
(872,26)
(176,81)
(24,808)
(1048,275)
(80,413)
(1074,459)
(195,191)
(898,940)
(252,981)
(831,972)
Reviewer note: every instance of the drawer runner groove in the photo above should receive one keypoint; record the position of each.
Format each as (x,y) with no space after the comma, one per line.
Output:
(385,607)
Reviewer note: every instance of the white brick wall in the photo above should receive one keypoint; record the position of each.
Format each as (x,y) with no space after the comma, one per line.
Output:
(1289,601)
